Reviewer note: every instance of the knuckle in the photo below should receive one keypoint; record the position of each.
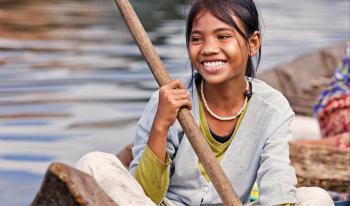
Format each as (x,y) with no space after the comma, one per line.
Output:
(162,89)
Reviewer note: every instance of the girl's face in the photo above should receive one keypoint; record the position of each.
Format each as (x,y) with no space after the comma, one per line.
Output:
(217,51)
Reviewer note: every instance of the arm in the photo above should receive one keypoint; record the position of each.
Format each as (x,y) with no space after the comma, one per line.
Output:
(154,159)
(153,175)
(276,177)
(172,97)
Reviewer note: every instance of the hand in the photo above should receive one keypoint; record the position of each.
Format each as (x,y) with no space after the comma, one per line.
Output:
(172,96)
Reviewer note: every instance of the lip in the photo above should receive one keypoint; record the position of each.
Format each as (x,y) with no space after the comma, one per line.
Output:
(213,66)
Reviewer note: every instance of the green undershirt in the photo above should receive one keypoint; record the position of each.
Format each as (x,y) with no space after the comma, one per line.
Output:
(218,148)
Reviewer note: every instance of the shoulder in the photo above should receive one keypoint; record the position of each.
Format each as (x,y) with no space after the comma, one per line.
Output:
(270,97)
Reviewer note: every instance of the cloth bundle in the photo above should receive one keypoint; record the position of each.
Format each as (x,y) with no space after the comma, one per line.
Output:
(332,108)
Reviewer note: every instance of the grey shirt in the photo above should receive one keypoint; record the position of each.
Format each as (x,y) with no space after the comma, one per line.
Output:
(259,152)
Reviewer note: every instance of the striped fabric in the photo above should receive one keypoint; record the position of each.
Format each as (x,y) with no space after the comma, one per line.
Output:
(333,105)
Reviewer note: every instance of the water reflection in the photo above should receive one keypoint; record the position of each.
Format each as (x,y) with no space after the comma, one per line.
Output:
(73,81)
(27,157)
(31,138)
(30,122)
(17,182)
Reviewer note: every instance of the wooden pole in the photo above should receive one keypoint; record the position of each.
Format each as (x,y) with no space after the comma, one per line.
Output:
(195,137)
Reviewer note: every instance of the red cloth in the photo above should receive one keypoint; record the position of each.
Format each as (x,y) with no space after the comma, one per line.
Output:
(335,116)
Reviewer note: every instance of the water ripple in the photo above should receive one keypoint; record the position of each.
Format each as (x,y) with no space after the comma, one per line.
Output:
(27,157)
(32,137)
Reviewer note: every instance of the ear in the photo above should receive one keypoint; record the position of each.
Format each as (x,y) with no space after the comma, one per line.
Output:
(254,43)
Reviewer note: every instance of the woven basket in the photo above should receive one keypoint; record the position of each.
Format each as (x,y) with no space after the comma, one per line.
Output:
(323,166)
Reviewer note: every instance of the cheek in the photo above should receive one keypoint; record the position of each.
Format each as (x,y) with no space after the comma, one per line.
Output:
(193,55)
(237,53)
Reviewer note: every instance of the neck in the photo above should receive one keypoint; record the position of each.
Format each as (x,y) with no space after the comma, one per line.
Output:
(227,95)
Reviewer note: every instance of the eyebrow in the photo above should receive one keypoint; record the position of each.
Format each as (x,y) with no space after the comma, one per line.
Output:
(215,30)
(223,29)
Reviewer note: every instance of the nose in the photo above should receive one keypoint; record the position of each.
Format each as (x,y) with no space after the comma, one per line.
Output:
(209,47)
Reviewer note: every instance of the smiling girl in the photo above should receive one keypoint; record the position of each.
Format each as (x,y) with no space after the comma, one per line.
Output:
(245,122)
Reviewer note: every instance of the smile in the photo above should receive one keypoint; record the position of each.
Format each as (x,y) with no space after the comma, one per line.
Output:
(212,64)
(213,67)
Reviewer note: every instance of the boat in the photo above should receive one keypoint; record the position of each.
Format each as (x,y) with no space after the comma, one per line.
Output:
(63,185)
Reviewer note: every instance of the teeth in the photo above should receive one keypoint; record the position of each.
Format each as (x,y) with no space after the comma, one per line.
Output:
(214,63)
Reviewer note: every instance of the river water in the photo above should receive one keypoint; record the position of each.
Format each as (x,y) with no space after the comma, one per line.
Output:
(73,81)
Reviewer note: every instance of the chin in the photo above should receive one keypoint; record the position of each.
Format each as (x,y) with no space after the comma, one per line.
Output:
(210,79)
(220,79)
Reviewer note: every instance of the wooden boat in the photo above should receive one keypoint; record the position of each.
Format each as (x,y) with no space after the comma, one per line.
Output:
(300,81)
(64,185)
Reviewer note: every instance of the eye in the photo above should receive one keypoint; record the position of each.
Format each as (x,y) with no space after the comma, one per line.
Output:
(196,39)
(223,36)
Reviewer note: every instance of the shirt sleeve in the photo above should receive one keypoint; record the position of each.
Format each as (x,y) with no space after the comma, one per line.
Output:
(276,177)
(153,175)
(140,147)
(142,130)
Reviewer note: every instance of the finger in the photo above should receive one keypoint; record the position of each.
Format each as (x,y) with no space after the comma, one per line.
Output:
(177,94)
(174,84)
(179,91)
(181,96)
(184,103)
(189,105)
(180,85)
(173,95)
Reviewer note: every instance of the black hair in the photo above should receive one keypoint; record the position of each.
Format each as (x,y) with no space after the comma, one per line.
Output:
(245,10)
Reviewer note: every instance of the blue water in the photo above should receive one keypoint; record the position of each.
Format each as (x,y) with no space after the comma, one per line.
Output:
(31,137)
(27,157)
(73,81)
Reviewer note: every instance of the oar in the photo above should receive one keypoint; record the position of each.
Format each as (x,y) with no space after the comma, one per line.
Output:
(195,137)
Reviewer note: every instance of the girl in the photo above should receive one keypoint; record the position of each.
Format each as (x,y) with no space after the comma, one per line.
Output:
(245,122)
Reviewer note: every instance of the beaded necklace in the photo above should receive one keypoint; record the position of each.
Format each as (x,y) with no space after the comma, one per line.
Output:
(220,117)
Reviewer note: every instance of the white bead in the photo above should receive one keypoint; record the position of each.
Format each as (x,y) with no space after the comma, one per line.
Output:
(217,116)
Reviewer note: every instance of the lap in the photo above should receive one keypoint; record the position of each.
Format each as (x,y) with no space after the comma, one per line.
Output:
(122,187)
(309,196)
(114,178)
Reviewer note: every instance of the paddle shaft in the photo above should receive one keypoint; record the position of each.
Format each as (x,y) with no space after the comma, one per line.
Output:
(189,125)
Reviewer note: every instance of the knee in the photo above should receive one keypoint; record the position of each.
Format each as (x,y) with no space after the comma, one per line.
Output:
(313,196)
(89,161)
